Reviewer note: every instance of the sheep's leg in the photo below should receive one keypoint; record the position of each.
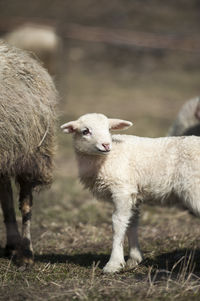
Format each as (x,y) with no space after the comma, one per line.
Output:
(12,233)
(26,251)
(120,220)
(135,256)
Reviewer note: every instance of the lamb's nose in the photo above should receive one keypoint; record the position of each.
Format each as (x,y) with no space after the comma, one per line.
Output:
(106,146)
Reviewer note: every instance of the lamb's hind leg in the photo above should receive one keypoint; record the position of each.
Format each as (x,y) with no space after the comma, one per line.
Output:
(25,255)
(12,233)
(135,255)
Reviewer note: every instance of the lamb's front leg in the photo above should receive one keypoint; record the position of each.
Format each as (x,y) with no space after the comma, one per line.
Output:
(120,220)
(135,255)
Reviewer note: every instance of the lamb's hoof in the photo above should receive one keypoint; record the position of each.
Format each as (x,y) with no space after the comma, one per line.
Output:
(113,268)
(132,263)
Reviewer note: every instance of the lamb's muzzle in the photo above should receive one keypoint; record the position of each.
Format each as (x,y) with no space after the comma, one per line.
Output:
(104,147)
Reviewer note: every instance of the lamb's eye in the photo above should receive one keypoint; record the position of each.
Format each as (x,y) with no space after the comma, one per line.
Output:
(86,132)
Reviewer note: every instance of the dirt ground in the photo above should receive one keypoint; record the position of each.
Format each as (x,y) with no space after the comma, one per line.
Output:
(71,231)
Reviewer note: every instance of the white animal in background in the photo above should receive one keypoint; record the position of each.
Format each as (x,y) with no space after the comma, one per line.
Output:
(128,170)
(187,121)
(42,40)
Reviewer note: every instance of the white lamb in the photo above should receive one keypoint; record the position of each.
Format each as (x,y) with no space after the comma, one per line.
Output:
(129,169)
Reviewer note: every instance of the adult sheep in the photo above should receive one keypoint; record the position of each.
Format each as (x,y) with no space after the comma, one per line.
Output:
(187,121)
(128,169)
(27,120)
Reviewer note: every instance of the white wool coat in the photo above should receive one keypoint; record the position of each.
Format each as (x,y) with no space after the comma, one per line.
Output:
(145,168)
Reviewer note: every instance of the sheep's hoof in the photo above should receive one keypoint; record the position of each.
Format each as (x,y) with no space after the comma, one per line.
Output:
(25,263)
(24,258)
(113,267)
(21,257)
(10,250)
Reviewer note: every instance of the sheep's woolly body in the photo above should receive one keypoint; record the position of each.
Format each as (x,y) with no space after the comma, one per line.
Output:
(186,122)
(27,102)
(27,121)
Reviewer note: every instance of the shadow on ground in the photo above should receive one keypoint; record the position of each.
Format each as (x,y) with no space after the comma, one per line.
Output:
(84,260)
(178,264)
(175,260)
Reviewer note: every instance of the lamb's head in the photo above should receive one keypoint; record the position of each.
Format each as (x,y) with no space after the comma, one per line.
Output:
(91,133)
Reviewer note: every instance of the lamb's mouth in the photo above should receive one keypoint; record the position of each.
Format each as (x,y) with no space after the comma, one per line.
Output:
(103,151)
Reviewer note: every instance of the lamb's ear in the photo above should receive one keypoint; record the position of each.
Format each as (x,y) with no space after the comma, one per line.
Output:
(69,127)
(118,124)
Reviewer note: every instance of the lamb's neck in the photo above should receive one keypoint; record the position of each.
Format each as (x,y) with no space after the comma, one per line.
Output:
(89,165)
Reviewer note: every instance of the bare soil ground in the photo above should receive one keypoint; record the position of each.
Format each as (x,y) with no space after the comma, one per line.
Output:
(72,231)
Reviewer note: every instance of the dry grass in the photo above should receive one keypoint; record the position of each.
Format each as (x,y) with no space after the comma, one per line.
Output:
(69,258)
